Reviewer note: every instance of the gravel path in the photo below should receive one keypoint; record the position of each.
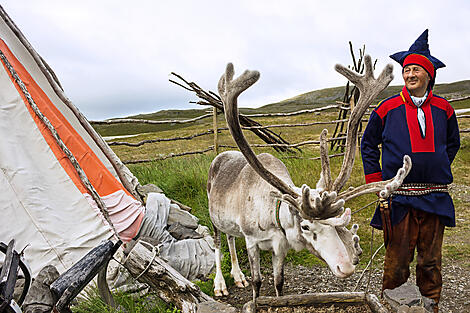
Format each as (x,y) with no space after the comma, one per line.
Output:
(455,296)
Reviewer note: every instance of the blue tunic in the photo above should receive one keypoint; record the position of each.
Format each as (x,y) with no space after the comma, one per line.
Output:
(394,125)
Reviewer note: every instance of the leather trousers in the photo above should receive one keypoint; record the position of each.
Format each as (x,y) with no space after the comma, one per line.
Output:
(423,231)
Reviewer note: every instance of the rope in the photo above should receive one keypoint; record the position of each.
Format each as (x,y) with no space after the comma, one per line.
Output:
(370,261)
(371,248)
(367,205)
(155,252)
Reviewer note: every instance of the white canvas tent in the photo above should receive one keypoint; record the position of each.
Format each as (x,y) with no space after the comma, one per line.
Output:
(63,190)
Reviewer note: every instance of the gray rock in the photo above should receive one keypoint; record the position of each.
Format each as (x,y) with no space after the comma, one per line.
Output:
(215,307)
(428,304)
(407,294)
(179,232)
(417,309)
(39,298)
(249,307)
(407,298)
(403,309)
(178,215)
(145,190)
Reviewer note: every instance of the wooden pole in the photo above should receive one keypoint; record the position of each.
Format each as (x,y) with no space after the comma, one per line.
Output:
(214,122)
(169,284)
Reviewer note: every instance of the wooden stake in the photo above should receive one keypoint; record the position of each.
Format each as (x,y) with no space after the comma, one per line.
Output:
(214,121)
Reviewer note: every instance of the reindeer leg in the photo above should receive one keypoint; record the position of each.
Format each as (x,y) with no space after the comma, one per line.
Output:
(220,289)
(253,257)
(278,271)
(236,272)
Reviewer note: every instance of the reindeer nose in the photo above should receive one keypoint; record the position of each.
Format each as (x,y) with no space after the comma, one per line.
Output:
(346,270)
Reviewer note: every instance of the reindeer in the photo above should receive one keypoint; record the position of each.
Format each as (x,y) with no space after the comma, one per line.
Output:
(254,197)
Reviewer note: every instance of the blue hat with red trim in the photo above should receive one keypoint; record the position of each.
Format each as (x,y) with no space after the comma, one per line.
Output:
(419,54)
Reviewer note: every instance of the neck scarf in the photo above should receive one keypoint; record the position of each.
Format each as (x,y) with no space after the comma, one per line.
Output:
(418,101)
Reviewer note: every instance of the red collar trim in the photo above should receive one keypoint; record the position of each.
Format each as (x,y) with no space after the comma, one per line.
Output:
(405,95)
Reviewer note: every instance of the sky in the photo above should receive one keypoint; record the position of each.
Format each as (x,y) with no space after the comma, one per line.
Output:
(113,58)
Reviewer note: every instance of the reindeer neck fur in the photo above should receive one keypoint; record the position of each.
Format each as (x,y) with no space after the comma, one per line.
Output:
(290,222)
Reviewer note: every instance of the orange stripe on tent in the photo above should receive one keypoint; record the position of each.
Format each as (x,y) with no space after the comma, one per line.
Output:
(100,177)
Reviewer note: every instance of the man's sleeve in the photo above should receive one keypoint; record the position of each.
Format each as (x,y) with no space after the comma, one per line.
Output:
(453,137)
(371,139)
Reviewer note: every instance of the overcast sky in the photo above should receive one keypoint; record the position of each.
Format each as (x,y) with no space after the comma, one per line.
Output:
(113,58)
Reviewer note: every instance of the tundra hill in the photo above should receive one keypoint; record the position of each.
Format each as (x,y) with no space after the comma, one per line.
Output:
(308,100)
(322,97)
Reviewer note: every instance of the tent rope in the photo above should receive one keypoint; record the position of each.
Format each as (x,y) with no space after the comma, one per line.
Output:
(86,182)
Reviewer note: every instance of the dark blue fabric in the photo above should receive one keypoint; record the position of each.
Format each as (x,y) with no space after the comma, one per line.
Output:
(427,167)
(420,46)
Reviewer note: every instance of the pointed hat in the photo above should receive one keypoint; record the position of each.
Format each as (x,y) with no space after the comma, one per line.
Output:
(419,54)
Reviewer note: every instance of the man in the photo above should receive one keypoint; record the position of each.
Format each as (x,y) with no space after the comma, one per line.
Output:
(423,126)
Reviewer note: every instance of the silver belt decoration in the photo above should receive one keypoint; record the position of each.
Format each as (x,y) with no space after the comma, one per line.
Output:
(420,189)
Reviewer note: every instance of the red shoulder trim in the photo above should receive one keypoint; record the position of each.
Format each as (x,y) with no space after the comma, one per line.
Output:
(387,105)
(442,104)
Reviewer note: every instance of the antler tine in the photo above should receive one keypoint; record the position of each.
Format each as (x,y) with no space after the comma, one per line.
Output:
(229,91)
(319,206)
(369,88)
(386,188)
(325,181)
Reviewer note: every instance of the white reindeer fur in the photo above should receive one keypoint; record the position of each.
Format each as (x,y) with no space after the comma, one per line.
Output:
(242,204)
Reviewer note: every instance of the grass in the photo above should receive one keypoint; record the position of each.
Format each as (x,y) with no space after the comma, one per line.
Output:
(184,179)
(150,303)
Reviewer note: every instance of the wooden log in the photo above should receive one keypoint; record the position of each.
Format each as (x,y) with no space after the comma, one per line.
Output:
(134,120)
(8,275)
(214,100)
(169,284)
(82,272)
(459,99)
(171,155)
(312,298)
(328,107)
(375,304)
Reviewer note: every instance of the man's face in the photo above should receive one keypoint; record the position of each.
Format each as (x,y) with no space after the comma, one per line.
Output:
(416,80)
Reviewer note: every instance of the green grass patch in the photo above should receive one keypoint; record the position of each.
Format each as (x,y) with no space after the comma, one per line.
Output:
(149,303)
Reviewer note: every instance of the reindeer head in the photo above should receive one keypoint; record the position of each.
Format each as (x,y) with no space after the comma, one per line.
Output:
(319,207)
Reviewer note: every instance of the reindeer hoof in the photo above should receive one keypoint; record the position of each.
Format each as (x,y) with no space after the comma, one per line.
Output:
(221,293)
(242,283)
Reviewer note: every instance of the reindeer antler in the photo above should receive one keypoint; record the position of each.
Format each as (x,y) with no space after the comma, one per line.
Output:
(323,202)
(369,88)
(229,91)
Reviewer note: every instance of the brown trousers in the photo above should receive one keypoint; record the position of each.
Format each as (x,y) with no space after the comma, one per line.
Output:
(425,232)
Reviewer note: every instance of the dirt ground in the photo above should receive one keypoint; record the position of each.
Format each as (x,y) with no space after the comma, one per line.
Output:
(455,296)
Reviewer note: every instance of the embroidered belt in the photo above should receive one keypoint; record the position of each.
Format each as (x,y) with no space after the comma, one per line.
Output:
(419,189)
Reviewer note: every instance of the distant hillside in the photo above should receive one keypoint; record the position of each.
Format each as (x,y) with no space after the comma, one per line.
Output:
(331,95)
(307,100)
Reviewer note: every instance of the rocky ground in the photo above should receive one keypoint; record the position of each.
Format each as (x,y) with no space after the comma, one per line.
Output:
(299,279)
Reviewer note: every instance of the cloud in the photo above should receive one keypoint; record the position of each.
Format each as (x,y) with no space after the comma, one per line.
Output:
(113,58)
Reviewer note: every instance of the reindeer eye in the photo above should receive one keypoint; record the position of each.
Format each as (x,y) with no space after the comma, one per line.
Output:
(314,236)
(305,227)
